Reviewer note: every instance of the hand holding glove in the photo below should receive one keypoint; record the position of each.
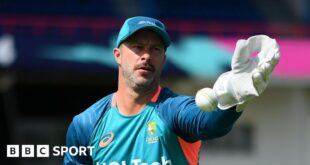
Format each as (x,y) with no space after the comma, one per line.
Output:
(248,78)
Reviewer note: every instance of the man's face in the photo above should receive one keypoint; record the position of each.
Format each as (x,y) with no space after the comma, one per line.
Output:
(141,58)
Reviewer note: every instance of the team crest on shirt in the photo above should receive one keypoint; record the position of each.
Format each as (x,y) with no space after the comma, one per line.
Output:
(151,128)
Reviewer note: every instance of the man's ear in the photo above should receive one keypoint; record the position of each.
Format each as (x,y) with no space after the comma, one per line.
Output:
(117,55)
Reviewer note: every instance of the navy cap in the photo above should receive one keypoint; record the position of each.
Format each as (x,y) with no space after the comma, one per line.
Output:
(131,25)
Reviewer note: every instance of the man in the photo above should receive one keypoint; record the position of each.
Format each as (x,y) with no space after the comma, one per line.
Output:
(142,123)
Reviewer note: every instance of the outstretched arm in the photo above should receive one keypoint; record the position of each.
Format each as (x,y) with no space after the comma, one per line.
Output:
(186,120)
(203,117)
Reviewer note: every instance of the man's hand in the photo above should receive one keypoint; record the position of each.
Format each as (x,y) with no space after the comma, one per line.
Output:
(248,78)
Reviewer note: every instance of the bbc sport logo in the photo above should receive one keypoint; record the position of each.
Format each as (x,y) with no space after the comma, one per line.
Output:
(43,151)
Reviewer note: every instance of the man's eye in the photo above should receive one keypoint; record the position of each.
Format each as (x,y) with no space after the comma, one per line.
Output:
(139,47)
(158,49)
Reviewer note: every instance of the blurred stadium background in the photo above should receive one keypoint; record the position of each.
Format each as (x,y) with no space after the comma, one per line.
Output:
(56,60)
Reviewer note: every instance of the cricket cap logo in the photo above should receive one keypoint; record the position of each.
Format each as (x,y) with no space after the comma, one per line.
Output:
(151,127)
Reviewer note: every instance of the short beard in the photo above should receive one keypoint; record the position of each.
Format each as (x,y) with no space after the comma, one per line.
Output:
(131,81)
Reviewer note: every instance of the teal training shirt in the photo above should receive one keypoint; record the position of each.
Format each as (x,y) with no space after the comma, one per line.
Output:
(137,139)
(167,131)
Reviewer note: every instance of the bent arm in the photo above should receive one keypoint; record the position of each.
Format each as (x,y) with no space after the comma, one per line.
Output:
(73,139)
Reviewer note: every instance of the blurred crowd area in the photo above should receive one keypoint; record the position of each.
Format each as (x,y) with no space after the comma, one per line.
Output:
(56,60)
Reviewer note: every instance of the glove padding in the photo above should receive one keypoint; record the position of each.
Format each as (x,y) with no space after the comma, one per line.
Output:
(249,76)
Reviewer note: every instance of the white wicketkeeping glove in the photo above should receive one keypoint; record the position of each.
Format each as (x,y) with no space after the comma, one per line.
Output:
(248,77)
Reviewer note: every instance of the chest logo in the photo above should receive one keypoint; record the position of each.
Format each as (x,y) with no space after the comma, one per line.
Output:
(106,139)
(151,128)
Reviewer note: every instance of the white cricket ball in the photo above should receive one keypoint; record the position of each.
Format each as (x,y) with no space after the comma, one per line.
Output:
(206,100)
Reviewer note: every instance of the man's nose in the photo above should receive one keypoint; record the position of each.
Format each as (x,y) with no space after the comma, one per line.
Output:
(146,55)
